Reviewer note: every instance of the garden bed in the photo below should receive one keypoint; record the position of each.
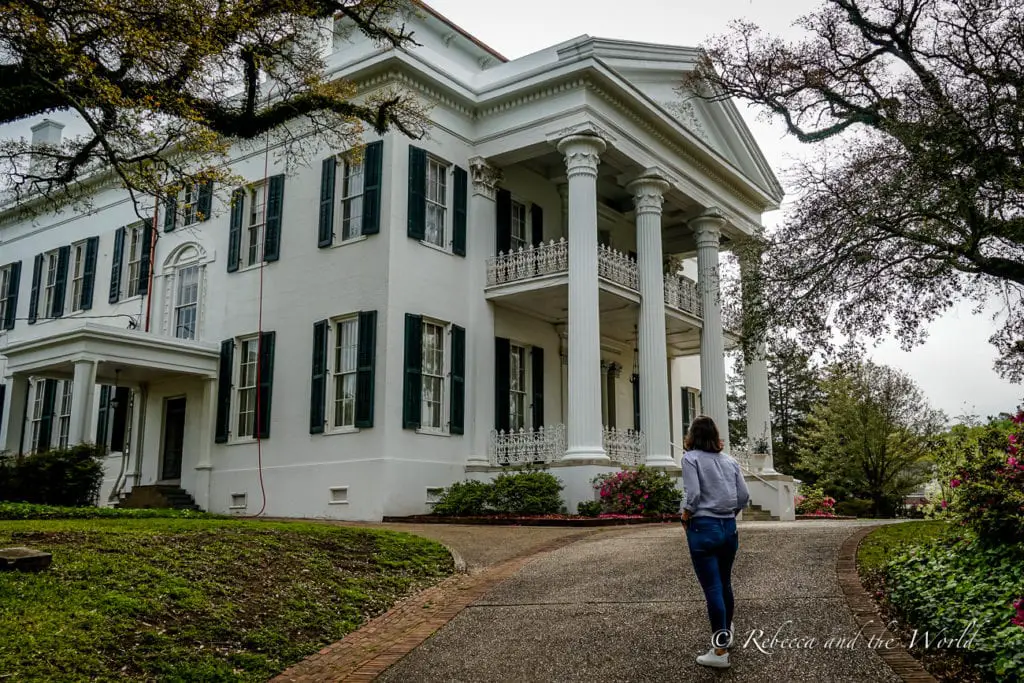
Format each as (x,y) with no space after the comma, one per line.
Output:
(825,517)
(539,520)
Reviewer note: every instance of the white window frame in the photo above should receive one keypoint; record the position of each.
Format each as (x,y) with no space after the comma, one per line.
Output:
(445,377)
(5,289)
(347,199)
(334,338)
(692,397)
(133,241)
(446,170)
(238,388)
(183,257)
(525,391)
(517,241)
(180,306)
(60,423)
(254,225)
(188,205)
(62,412)
(36,418)
(51,265)
(76,274)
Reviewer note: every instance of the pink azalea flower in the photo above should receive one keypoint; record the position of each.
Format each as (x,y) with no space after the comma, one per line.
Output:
(1011,461)
(954,482)
(944,505)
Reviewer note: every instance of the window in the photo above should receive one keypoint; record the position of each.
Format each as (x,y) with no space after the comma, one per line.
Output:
(77,275)
(50,261)
(517,388)
(252,250)
(51,408)
(188,207)
(186,302)
(37,413)
(64,414)
(133,241)
(346,346)
(246,399)
(437,202)
(432,410)
(6,288)
(519,239)
(350,191)
(689,407)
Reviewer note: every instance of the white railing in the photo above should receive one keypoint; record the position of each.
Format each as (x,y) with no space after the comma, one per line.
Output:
(681,293)
(526,446)
(624,446)
(617,267)
(528,262)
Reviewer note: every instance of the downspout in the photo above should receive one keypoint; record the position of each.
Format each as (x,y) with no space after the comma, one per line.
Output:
(154,235)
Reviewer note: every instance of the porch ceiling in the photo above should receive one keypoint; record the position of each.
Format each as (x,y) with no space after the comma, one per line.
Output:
(123,355)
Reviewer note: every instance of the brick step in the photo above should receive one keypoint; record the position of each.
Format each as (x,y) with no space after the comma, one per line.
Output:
(158,496)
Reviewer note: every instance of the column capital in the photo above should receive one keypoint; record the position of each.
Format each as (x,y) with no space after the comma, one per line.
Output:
(707,227)
(648,193)
(582,154)
(485,177)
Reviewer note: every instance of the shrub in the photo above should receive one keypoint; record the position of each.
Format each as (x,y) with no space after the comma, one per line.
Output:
(589,508)
(463,499)
(813,501)
(640,491)
(68,477)
(526,493)
(31,511)
(854,507)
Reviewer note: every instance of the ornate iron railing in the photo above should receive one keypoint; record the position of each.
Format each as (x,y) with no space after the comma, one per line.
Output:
(681,293)
(624,446)
(528,262)
(617,267)
(526,446)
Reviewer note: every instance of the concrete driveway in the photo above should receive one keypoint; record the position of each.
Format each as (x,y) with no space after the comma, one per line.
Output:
(627,607)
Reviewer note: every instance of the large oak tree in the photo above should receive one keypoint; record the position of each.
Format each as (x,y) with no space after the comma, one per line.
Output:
(914,200)
(164,88)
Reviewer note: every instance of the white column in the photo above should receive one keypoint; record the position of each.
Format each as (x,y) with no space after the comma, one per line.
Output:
(755,370)
(648,195)
(482,245)
(582,153)
(207,432)
(707,228)
(14,421)
(82,391)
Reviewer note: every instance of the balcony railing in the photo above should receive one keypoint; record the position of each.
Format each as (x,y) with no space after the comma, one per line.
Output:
(526,446)
(624,446)
(527,263)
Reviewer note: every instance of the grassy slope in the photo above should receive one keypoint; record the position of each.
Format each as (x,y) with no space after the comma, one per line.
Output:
(196,600)
(885,541)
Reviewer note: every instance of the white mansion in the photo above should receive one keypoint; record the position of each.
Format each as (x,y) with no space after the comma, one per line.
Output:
(346,340)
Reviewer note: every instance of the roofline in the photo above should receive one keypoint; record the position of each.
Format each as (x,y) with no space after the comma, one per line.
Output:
(461,31)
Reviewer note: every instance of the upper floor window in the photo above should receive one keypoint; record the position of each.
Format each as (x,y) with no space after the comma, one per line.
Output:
(255,234)
(350,195)
(437,201)
(190,205)
(351,198)
(77,275)
(185,275)
(186,305)
(51,260)
(9,277)
(129,269)
(520,238)
(256,201)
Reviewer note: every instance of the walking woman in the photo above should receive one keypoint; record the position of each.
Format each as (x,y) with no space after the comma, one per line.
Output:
(715,494)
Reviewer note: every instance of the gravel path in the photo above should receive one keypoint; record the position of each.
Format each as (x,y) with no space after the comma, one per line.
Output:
(625,606)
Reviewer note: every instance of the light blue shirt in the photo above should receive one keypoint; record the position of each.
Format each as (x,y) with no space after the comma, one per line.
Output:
(714,485)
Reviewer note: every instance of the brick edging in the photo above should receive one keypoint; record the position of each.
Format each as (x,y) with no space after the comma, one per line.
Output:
(365,653)
(865,612)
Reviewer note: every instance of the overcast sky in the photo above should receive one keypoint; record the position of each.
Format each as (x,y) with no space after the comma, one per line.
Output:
(954,367)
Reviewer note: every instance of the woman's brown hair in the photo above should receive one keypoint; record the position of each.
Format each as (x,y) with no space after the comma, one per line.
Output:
(703,436)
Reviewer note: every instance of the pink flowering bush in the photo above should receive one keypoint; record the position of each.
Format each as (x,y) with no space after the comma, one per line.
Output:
(641,491)
(1018,619)
(815,503)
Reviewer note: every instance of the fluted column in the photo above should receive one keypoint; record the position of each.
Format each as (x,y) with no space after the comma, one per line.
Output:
(582,153)
(81,401)
(707,228)
(482,245)
(648,195)
(755,370)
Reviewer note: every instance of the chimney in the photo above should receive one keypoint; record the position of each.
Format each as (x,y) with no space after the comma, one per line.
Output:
(46,133)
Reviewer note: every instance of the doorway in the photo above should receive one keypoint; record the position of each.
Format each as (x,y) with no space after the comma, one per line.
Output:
(174,438)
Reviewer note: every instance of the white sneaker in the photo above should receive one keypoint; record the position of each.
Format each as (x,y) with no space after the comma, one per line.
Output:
(714,660)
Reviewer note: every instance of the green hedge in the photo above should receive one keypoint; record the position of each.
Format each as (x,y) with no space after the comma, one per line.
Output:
(948,584)
(519,493)
(69,477)
(854,507)
(33,511)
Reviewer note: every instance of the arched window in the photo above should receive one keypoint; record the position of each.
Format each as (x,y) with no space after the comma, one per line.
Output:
(185,274)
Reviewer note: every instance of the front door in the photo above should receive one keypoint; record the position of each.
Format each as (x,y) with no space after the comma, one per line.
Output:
(174,438)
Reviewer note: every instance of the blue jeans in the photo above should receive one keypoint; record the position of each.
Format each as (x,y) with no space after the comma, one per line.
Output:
(713,544)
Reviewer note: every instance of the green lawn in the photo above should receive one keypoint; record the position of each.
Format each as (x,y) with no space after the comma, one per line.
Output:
(886,540)
(196,599)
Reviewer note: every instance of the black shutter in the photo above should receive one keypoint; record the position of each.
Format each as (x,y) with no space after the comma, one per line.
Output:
(170,213)
(119,428)
(3,398)
(503,211)
(60,283)
(537,380)
(235,233)
(325,228)
(12,296)
(459,217)
(223,424)
(266,384)
(636,402)
(412,389)
(373,178)
(537,224)
(366,356)
(502,383)
(457,413)
(46,419)
(115,266)
(33,298)
(612,408)
(204,203)
(275,210)
(103,418)
(417,195)
(144,257)
(92,248)
(318,386)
